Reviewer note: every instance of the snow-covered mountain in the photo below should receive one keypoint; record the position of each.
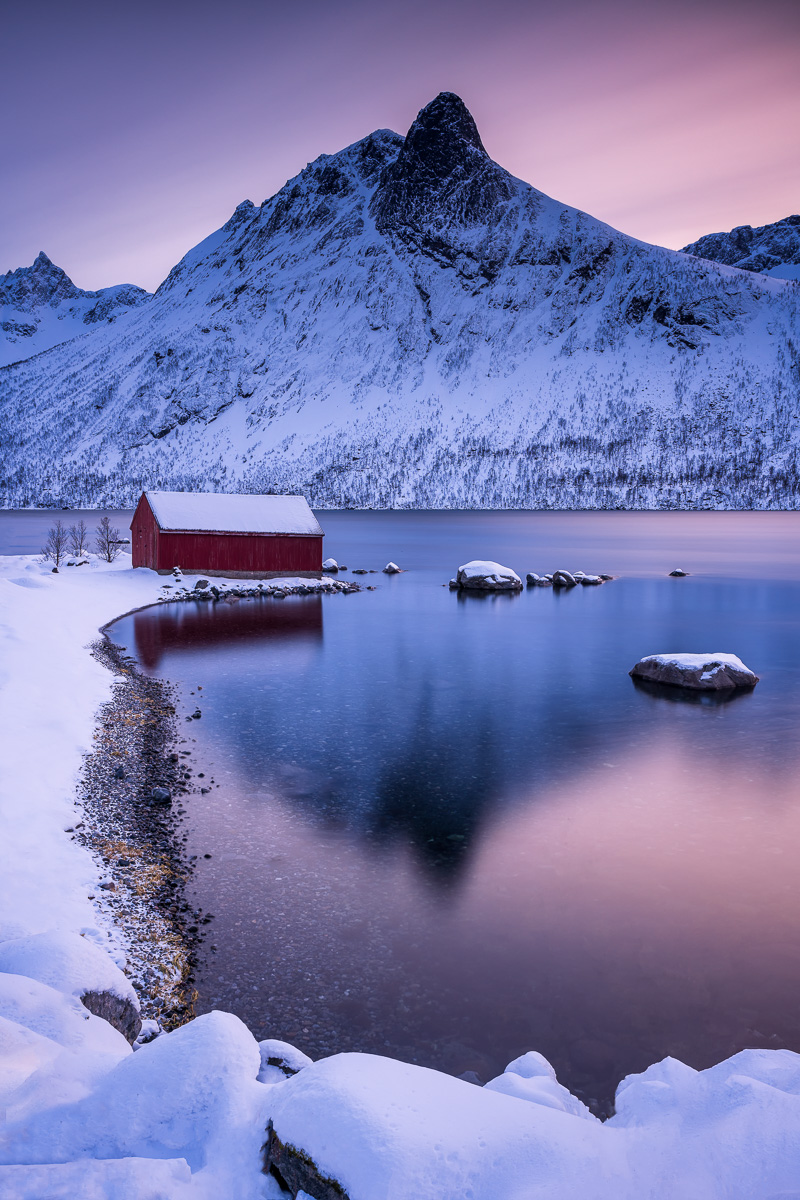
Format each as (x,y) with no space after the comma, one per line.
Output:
(770,249)
(40,307)
(405,323)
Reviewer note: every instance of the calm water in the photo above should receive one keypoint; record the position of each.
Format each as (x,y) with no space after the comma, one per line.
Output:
(453,829)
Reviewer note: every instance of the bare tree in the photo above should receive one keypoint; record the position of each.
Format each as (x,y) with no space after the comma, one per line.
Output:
(78,539)
(55,547)
(107,540)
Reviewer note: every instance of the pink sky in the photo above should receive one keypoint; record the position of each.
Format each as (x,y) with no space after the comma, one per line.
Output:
(134,133)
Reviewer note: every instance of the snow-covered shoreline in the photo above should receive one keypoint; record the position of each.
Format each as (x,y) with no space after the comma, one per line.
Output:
(187,1115)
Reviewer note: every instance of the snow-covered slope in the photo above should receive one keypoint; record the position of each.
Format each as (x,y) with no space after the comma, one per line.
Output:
(405,323)
(771,249)
(40,307)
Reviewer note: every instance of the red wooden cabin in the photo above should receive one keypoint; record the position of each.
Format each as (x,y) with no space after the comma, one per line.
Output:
(234,535)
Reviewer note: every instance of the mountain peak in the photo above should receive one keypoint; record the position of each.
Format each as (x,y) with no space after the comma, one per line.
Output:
(442,172)
(446,121)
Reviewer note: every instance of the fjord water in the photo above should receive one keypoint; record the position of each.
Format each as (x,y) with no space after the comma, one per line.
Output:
(451,828)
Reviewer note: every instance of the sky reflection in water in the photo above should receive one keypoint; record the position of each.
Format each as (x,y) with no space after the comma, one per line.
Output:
(455,829)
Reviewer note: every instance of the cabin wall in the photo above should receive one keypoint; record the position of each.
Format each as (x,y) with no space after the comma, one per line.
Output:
(144,536)
(254,553)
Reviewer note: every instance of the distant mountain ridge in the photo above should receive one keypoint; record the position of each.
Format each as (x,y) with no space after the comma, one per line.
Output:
(769,249)
(405,324)
(40,307)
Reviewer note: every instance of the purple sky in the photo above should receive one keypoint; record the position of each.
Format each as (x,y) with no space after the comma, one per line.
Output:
(131,131)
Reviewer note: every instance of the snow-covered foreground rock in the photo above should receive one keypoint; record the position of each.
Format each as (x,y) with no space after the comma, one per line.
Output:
(405,324)
(191,1115)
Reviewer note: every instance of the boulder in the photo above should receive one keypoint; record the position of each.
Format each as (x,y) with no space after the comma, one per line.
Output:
(391,569)
(678,573)
(702,672)
(486,576)
(591,580)
(564,579)
(330,564)
(281,1057)
(200,584)
(161,795)
(534,580)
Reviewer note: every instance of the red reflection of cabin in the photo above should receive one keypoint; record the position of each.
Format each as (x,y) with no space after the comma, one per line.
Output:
(234,535)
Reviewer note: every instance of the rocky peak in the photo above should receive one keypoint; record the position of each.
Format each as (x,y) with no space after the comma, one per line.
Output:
(41,283)
(773,249)
(442,172)
(443,136)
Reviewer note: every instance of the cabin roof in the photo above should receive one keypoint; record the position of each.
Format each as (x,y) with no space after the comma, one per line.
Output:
(216,512)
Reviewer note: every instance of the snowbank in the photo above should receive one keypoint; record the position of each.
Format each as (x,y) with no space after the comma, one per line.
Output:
(384,1129)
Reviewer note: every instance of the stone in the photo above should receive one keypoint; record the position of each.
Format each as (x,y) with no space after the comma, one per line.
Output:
(287,1058)
(483,575)
(161,795)
(678,573)
(200,584)
(701,672)
(296,1171)
(330,564)
(119,773)
(360,571)
(591,580)
(118,1011)
(564,579)
(391,569)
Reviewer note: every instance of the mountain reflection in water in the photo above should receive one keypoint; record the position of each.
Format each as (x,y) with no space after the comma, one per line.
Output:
(453,829)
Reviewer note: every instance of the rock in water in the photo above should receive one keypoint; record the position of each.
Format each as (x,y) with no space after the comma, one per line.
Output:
(702,672)
(678,573)
(486,576)
(330,564)
(564,579)
(391,569)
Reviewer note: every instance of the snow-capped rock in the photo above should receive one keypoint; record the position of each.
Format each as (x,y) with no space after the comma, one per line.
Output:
(769,249)
(701,672)
(74,965)
(484,576)
(405,324)
(41,307)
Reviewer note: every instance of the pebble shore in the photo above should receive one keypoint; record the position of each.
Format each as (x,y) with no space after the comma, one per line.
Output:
(137,840)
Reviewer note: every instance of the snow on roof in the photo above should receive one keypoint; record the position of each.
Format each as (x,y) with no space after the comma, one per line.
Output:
(216,512)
